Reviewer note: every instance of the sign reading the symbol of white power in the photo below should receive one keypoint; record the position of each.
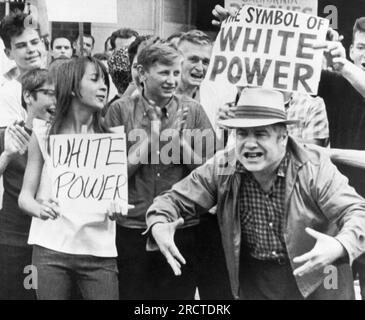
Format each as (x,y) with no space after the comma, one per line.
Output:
(89,171)
(96,11)
(269,48)
(305,6)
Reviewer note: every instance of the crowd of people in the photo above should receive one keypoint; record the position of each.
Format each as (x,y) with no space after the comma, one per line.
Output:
(258,209)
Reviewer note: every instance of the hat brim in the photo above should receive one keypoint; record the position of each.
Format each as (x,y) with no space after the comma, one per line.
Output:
(251,123)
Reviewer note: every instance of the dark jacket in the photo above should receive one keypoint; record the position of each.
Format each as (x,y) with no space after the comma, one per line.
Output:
(317,196)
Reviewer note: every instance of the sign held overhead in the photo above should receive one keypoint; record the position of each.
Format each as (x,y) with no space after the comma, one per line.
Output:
(305,6)
(269,48)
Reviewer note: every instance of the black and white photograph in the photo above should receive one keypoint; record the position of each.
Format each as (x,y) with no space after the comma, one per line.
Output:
(192,152)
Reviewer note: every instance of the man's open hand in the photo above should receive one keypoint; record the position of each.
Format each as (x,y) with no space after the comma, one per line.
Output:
(164,237)
(326,250)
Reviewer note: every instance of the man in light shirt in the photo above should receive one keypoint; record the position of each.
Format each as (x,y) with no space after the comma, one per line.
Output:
(23,46)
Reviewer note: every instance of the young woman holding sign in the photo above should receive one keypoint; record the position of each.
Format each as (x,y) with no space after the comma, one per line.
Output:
(69,249)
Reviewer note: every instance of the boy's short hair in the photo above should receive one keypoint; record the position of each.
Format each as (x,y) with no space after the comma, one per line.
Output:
(359,26)
(138,44)
(164,53)
(133,48)
(197,37)
(13,25)
(175,35)
(33,80)
(124,33)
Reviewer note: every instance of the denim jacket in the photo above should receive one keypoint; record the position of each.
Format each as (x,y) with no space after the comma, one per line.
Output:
(317,196)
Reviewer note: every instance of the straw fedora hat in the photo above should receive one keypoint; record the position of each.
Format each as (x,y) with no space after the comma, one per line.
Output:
(258,107)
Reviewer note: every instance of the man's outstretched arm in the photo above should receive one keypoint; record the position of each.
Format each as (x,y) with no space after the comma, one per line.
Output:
(165,215)
(349,157)
(335,55)
(163,234)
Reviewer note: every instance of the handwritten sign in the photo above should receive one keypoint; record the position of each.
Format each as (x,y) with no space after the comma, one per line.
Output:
(88,171)
(305,6)
(269,48)
(82,11)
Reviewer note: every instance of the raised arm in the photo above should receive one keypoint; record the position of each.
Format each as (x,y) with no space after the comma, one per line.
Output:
(335,55)
(355,76)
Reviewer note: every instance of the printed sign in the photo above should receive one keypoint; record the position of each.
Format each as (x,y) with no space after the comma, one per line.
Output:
(304,6)
(88,171)
(269,48)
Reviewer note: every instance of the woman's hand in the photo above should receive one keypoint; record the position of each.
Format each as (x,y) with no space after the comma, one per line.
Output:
(118,210)
(49,209)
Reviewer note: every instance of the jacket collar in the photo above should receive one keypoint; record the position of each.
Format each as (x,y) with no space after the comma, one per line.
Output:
(147,104)
(300,155)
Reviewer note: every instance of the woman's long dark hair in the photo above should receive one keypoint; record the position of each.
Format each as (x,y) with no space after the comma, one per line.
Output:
(68,79)
(69,76)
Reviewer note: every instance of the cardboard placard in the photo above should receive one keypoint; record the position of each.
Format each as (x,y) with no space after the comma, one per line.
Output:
(269,48)
(82,11)
(304,6)
(88,171)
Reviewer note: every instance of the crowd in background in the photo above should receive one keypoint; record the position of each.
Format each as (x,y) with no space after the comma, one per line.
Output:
(139,80)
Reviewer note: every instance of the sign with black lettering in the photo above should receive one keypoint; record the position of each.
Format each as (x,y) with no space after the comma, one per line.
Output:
(88,172)
(269,48)
(305,6)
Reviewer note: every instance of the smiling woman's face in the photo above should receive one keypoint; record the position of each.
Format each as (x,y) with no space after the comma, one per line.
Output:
(260,149)
(93,90)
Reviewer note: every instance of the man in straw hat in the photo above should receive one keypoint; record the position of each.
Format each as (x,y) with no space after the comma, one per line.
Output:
(290,224)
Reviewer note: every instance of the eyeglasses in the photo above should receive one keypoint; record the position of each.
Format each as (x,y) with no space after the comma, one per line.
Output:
(48,92)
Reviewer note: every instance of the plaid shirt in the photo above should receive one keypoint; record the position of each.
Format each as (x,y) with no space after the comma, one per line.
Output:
(312,115)
(262,215)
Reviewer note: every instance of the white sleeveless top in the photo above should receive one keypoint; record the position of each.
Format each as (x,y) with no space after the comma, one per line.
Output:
(72,232)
